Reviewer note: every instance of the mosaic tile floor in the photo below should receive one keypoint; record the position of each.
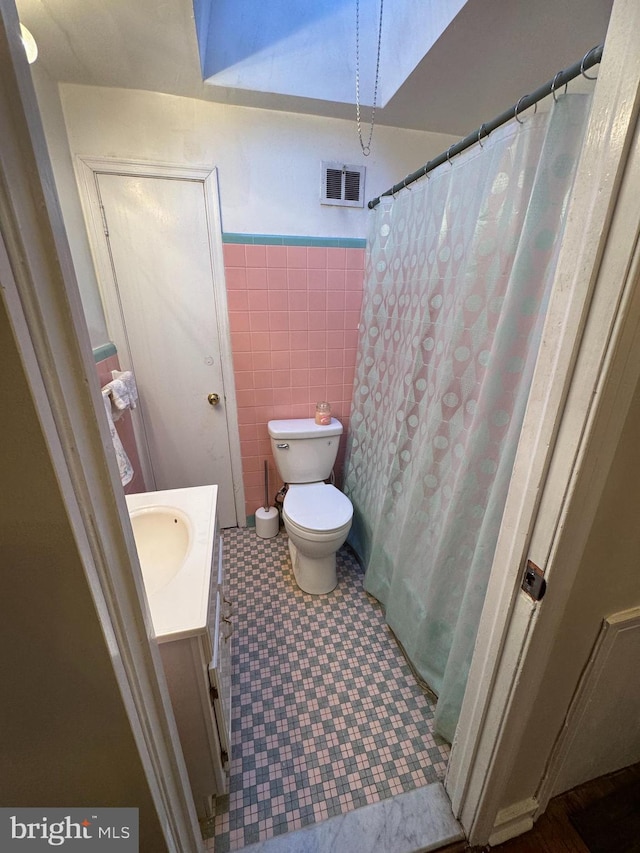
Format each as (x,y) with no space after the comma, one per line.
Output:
(327,716)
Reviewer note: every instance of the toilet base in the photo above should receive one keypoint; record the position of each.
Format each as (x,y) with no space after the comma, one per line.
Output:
(315,575)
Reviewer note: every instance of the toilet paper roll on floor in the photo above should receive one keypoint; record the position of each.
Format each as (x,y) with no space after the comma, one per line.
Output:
(267,522)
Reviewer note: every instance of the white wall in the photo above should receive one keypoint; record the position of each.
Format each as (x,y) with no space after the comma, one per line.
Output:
(268,161)
(62,165)
(603,735)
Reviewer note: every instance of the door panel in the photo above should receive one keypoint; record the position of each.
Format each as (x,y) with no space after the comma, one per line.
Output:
(158,241)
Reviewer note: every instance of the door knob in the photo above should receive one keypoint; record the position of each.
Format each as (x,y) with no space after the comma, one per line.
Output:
(213,399)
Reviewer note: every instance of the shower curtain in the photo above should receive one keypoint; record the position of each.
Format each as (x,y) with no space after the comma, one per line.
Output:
(458,274)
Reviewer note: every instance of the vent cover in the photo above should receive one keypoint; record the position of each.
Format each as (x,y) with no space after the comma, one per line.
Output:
(342,184)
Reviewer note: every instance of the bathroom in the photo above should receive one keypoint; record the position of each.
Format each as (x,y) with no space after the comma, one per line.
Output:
(278,372)
(262,234)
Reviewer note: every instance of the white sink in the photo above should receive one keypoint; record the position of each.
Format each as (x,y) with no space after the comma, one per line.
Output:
(163,538)
(174,536)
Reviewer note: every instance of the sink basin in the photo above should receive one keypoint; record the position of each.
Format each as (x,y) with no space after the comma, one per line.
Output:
(174,532)
(163,538)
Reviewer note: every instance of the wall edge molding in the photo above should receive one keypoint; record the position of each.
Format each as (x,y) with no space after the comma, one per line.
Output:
(231,237)
(513,821)
(104,351)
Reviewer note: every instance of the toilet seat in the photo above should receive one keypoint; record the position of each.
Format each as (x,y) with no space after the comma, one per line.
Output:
(317,507)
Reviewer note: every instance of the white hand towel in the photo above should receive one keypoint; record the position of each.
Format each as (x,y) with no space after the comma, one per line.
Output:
(124,465)
(123,390)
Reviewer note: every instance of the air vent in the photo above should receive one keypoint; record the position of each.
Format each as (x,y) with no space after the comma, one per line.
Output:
(342,185)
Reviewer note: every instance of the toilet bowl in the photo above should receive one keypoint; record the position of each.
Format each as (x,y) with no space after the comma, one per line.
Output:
(317,518)
(316,515)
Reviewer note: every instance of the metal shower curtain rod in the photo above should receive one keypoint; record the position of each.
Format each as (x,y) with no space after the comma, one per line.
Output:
(592,57)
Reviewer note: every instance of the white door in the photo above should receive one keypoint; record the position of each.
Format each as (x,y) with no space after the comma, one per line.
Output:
(157,237)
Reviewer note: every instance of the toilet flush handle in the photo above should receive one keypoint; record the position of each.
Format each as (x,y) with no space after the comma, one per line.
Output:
(283,446)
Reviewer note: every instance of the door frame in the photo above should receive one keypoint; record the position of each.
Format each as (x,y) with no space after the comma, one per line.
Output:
(87,169)
(586,374)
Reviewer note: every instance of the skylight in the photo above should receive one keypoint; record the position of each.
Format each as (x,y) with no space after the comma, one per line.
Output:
(290,47)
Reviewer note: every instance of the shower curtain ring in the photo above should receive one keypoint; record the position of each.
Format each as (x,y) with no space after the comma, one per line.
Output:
(553,86)
(449,154)
(480,129)
(516,109)
(584,59)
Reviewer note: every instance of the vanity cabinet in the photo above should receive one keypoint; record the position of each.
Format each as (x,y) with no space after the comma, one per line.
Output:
(221,628)
(198,673)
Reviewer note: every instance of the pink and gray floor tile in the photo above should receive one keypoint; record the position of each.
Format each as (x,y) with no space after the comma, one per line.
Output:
(327,716)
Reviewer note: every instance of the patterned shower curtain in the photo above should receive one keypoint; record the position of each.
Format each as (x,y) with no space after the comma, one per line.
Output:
(458,276)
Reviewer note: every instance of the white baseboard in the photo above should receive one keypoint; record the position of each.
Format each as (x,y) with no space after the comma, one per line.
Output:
(513,821)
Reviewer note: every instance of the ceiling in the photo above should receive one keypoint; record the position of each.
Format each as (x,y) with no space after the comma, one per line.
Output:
(487,55)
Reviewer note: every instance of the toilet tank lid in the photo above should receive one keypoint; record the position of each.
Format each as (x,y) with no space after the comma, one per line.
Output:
(303,428)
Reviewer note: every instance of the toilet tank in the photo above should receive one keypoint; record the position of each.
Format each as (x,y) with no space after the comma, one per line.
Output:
(303,451)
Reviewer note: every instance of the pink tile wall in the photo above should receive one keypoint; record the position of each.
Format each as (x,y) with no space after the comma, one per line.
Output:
(294,314)
(124,428)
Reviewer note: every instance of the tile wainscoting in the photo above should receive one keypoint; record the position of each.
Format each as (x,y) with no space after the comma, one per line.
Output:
(294,310)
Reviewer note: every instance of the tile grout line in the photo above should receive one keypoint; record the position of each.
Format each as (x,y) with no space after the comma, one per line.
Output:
(327,716)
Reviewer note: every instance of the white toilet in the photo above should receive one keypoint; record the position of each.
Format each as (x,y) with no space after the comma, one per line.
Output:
(317,516)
